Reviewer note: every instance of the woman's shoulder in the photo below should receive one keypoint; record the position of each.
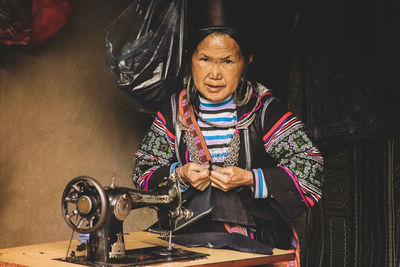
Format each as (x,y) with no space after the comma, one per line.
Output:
(266,95)
(270,107)
(168,104)
(262,90)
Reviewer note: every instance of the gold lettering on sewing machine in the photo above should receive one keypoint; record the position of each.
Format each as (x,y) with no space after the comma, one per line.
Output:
(150,198)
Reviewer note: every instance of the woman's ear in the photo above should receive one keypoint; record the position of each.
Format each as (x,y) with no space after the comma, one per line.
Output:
(250,58)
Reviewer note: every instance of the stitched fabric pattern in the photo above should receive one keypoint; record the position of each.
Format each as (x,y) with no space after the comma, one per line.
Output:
(296,153)
(154,151)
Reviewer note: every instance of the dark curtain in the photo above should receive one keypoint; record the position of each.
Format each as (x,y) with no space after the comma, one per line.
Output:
(342,83)
(349,68)
(355,223)
(271,24)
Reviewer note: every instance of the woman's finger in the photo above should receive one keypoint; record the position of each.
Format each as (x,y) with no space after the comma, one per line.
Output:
(201,175)
(193,166)
(225,170)
(219,185)
(219,179)
(219,176)
(203,186)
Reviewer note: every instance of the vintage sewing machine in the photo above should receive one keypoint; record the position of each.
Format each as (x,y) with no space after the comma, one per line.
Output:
(88,208)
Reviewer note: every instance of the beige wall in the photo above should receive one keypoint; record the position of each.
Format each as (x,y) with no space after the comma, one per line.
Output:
(62,116)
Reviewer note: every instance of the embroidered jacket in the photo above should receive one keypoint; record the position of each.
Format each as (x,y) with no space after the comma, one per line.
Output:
(287,167)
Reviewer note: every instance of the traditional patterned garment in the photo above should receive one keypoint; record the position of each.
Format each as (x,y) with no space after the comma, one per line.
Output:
(217,139)
(286,133)
(287,168)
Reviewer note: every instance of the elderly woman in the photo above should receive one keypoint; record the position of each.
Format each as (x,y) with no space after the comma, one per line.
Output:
(238,153)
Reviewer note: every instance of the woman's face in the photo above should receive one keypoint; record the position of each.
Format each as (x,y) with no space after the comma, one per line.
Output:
(217,66)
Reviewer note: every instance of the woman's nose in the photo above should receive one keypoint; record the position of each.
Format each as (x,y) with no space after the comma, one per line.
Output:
(215,72)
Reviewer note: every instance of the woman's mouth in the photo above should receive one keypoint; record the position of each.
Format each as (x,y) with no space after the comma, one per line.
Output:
(214,88)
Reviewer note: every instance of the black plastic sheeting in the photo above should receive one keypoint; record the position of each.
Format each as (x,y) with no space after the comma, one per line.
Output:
(144,47)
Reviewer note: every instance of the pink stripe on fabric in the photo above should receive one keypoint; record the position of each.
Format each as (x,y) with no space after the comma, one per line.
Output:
(187,154)
(259,105)
(297,185)
(216,142)
(147,180)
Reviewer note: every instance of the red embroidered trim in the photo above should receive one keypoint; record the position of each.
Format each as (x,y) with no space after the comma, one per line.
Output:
(189,120)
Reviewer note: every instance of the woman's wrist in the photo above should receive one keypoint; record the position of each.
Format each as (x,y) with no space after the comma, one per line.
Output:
(249,178)
(179,177)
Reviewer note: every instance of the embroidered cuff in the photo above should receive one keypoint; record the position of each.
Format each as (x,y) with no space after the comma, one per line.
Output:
(173,166)
(260,188)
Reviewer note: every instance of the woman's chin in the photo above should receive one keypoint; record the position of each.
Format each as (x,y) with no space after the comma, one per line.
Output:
(216,96)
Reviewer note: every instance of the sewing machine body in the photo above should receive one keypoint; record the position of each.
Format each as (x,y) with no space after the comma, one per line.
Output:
(87,207)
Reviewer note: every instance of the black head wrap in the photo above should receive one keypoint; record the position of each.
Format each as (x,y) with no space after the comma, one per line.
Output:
(205,17)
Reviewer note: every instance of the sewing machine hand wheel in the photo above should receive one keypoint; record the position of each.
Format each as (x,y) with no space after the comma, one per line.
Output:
(84,204)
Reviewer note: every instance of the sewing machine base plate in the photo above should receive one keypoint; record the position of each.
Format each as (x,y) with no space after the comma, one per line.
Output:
(142,256)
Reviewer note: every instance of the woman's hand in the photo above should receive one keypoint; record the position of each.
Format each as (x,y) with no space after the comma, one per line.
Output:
(230,177)
(196,174)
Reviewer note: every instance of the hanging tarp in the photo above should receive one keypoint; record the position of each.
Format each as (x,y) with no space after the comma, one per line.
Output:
(144,47)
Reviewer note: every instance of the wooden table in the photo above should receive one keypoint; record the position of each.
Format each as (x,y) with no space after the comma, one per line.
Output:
(44,255)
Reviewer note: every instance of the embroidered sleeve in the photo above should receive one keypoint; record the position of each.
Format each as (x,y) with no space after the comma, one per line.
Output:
(296,181)
(155,155)
(288,142)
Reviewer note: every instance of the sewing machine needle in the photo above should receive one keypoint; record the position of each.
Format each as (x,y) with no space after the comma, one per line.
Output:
(113,179)
(170,240)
